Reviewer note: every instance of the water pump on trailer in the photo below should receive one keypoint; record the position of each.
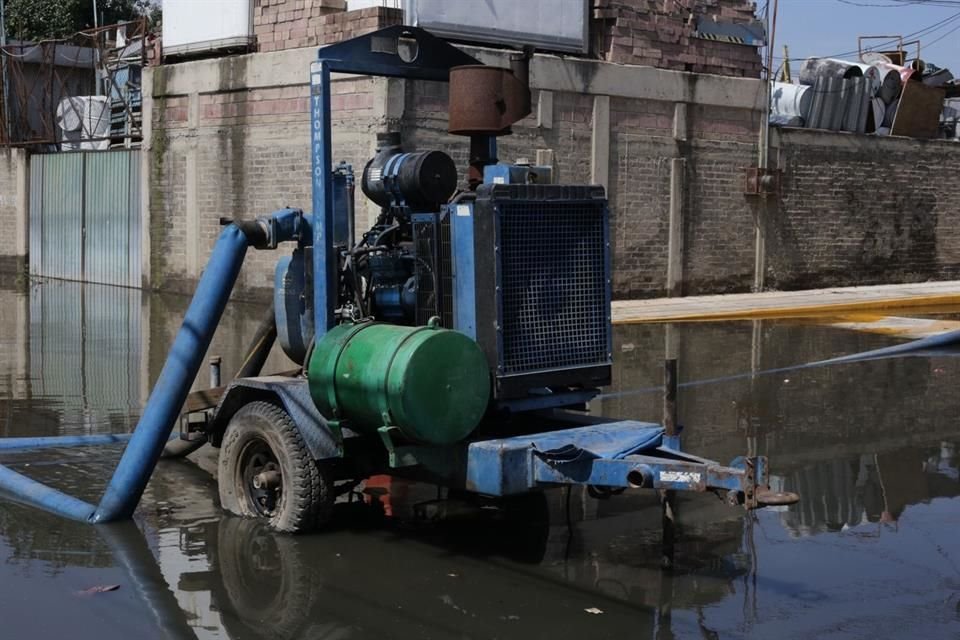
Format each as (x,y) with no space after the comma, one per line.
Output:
(457,341)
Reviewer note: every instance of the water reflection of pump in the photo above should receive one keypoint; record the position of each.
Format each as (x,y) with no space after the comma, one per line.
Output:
(870,488)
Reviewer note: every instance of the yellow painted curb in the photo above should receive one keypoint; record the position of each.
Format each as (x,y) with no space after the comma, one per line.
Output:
(789,311)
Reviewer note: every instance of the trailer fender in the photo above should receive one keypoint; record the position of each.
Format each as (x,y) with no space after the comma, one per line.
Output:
(293,395)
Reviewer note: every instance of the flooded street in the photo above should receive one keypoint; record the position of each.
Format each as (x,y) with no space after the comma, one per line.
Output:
(871,551)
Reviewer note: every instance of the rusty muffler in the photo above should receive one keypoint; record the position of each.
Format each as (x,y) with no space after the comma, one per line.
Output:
(488,100)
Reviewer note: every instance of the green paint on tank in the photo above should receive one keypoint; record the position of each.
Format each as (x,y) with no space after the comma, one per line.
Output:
(431,383)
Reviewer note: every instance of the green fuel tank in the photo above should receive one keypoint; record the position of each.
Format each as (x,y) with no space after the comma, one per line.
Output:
(431,383)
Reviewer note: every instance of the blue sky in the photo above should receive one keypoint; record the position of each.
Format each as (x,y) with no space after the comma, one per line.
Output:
(825,27)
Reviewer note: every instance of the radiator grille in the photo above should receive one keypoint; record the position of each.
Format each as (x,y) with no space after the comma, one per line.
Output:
(432,247)
(425,242)
(552,266)
(446,274)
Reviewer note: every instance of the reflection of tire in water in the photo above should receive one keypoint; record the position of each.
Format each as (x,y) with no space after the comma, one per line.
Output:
(269,587)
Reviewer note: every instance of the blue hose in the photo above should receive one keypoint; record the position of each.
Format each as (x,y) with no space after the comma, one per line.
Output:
(50,442)
(27,491)
(170,391)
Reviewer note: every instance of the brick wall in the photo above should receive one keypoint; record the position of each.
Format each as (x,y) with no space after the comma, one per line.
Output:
(247,155)
(656,33)
(718,236)
(224,145)
(854,210)
(289,24)
(659,33)
(864,210)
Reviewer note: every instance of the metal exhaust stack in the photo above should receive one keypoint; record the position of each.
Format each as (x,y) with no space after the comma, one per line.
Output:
(484,103)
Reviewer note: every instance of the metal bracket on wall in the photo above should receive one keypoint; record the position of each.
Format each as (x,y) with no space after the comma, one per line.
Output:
(762,182)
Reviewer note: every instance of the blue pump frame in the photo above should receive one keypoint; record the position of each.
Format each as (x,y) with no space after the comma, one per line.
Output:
(375,54)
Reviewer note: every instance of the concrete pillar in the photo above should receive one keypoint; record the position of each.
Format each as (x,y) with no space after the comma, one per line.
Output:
(192,215)
(145,379)
(674,285)
(600,147)
(675,229)
(545,159)
(760,243)
(193,110)
(545,109)
(764,207)
(680,122)
(22,231)
(146,176)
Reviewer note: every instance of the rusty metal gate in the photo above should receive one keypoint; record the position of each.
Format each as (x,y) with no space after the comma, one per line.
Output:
(85,216)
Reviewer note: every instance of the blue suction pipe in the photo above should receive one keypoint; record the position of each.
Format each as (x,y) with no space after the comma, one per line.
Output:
(170,391)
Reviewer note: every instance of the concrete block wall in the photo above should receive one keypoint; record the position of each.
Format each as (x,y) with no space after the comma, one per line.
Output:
(636,157)
(863,209)
(247,155)
(231,138)
(290,24)
(659,33)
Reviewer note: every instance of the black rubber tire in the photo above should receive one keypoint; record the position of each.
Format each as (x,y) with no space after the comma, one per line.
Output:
(306,489)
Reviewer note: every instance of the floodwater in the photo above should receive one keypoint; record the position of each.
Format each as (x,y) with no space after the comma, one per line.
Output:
(872,551)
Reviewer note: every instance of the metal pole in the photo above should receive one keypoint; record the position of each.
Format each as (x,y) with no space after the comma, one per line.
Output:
(96,52)
(3,70)
(215,363)
(260,346)
(786,77)
(765,125)
(759,233)
(351,211)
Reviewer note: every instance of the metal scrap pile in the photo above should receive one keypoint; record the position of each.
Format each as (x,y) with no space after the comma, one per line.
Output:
(871,96)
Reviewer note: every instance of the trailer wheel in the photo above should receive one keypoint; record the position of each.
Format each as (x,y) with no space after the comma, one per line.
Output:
(266,471)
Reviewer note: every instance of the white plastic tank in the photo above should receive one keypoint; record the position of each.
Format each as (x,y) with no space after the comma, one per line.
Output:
(195,26)
(84,123)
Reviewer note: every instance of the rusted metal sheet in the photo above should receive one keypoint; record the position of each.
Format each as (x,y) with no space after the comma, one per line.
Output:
(918,115)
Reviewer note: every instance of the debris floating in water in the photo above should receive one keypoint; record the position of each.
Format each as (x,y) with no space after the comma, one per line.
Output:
(103,588)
